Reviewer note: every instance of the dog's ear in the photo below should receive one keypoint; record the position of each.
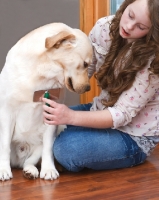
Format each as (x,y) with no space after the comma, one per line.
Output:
(57,39)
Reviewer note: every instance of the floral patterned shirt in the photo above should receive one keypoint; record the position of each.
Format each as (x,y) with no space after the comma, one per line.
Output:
(137,110)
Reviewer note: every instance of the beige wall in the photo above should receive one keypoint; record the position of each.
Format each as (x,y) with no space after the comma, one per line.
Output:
(18,17)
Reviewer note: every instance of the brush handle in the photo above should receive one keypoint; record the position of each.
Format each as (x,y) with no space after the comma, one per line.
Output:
(47,96)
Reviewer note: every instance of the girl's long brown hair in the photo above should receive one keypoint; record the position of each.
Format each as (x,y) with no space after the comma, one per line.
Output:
(131,58)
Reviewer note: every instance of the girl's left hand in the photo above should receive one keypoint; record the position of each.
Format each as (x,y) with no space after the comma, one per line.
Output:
(56,114)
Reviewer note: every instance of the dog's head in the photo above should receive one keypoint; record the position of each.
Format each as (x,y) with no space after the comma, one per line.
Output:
(71,51)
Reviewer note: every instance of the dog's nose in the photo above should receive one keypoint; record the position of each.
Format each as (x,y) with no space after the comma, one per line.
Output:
(88,87)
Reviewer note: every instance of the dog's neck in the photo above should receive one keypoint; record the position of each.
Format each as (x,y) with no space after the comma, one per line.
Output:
(54,93)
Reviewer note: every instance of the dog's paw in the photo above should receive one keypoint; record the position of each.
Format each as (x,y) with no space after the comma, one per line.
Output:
(49,174)
(30,172)
(5,174)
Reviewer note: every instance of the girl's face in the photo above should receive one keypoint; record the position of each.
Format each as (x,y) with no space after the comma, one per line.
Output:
(135,22)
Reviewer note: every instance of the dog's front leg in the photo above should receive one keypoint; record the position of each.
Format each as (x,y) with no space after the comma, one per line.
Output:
(6,132)
(48,170)
(29,169)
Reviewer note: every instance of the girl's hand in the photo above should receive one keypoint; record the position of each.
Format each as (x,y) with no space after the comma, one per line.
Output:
(56,114)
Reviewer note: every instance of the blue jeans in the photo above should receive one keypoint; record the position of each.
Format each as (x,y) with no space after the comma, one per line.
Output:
(77,148)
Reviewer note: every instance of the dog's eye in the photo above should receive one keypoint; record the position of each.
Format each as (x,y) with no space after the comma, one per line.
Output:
(63,40)
(85,64)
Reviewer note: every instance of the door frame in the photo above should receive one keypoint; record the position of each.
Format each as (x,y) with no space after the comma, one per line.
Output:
(90,12)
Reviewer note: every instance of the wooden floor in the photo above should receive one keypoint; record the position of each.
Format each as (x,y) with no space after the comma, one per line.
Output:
(137,183)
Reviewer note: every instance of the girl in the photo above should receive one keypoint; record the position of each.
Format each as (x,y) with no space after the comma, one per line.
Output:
(121,127)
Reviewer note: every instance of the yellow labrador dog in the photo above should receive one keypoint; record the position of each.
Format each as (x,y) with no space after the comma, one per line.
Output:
(52,56)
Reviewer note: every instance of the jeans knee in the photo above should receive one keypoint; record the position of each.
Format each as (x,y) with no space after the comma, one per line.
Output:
(66,154)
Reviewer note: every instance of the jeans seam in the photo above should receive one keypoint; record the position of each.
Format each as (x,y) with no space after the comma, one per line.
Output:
(138,150)
(126,148)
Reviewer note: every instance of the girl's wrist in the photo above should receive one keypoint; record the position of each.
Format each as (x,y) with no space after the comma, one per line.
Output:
(71,117)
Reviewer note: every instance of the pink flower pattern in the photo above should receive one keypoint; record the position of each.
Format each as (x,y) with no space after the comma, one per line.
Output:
(138,125)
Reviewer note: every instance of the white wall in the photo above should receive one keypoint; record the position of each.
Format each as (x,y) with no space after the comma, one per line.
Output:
(18,17)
